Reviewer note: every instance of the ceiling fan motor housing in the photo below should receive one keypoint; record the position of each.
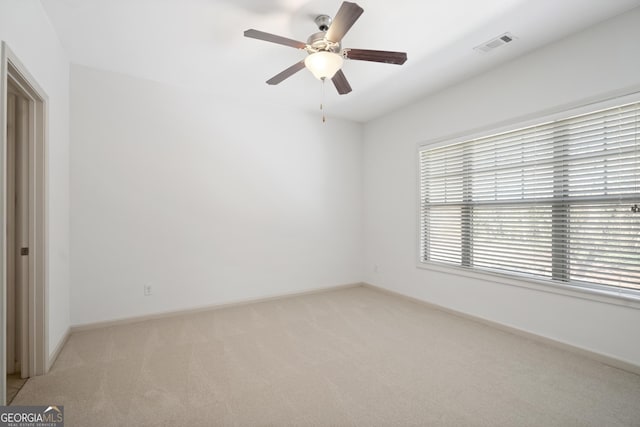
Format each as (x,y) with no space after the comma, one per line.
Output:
(317,42)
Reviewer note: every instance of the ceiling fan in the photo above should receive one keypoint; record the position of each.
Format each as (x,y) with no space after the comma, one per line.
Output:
(325,52)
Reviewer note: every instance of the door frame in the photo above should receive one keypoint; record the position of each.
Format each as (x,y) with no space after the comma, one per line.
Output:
(12,70)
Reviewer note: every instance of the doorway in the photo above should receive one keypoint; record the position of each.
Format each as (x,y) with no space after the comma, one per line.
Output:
(23,325)
(17,217)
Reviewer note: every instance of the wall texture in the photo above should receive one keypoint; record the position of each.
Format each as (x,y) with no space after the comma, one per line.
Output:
(207,200)
(27,31)
(593,64)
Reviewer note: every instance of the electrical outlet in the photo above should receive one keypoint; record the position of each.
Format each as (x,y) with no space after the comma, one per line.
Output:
(147,290)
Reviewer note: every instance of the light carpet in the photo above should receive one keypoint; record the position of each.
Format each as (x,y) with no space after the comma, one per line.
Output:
(350,357)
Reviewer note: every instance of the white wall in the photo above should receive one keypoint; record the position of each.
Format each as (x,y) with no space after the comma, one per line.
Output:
(29,34)
(594,63)
(206,199)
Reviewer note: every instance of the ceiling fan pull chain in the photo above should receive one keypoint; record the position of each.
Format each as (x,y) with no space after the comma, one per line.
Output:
(324,119)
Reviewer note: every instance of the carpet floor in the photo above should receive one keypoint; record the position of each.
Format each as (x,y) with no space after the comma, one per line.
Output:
(349,357)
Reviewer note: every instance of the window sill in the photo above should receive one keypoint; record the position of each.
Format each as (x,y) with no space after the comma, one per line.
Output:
(603,296)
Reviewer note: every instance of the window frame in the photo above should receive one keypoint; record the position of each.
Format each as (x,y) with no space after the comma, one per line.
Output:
(621,296)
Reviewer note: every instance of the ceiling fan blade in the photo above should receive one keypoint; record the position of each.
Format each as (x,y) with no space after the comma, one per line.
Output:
(376,56)
(340,82)
(268,37)
(347,15)
(286,73)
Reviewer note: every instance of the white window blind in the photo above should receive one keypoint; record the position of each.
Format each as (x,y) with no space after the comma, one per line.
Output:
(551,201)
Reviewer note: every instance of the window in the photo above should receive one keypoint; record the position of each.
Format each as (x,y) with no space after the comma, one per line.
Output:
(551,202)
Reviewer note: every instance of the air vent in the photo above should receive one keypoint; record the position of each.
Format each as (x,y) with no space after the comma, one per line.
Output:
(495,42)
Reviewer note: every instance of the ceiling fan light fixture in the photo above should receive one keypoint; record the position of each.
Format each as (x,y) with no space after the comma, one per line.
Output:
(324,48)
(324,64)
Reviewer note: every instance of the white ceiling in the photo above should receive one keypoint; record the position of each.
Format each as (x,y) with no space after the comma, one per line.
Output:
(200,44)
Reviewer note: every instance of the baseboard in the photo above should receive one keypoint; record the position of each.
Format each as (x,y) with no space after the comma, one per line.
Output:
(54,356)
(219,306)
(602,358)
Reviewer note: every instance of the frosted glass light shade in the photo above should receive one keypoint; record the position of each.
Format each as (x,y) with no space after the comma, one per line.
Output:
(324,64)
